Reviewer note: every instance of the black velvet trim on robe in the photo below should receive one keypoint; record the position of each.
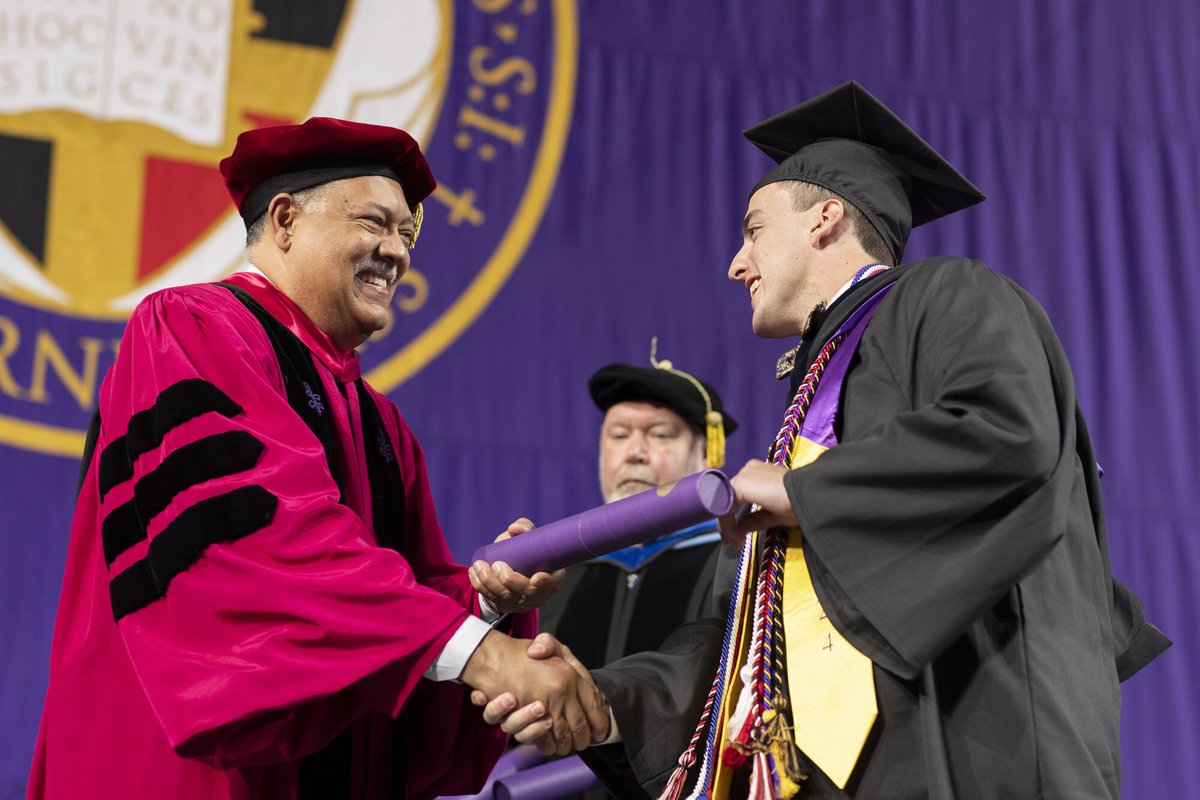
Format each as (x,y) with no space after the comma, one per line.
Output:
(327,773)
(222,518)
(175,405)
(211,457)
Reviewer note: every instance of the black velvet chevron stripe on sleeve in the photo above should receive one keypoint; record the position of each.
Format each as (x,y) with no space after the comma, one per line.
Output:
(120,531)
(223,518)
(212,457)
(174,406)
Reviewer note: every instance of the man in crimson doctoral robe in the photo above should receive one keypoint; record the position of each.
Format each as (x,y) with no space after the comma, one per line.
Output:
(258,600)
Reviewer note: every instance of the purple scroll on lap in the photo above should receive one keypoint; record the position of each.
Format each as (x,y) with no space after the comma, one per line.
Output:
(547,781)
(631,520)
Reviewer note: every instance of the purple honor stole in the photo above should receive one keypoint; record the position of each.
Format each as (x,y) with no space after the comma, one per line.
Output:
(775,624)
(817,425)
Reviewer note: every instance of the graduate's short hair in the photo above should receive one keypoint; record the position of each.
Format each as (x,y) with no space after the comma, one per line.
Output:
(302,199)
(806,195)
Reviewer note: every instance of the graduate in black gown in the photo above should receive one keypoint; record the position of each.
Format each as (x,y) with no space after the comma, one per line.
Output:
(930,520)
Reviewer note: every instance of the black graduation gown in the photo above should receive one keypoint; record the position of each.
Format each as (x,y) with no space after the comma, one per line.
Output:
(956,538)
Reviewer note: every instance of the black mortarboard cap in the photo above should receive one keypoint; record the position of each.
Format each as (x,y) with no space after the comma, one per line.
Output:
(618,383)
(850,143)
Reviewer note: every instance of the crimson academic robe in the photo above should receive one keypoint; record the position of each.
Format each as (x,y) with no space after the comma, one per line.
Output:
(956,537)
(257,618)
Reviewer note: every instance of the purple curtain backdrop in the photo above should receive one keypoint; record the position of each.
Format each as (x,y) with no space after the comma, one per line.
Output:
(1076,118)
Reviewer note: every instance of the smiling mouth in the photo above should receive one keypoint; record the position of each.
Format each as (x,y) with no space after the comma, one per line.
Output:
(754,285)
(374,280)
(380,276)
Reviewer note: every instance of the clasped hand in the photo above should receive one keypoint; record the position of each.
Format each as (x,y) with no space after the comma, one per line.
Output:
(510,592)
(760,484)
(538,692)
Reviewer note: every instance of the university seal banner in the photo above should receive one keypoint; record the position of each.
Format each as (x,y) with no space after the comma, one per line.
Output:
(593,183)
(114,115)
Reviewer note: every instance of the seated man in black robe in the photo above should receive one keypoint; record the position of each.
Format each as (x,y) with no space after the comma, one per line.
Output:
(660,424)
(654,432)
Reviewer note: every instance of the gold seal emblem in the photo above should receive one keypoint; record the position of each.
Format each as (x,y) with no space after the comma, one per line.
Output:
(113,118)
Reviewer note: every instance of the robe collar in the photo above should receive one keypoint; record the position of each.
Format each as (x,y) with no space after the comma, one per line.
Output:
(786,365)
(838,311)
(344,364)
(634,557)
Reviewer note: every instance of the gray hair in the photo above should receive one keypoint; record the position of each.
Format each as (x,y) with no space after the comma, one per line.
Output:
(305,199)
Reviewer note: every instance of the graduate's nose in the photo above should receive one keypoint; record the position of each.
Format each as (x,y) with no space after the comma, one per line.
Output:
(740,264)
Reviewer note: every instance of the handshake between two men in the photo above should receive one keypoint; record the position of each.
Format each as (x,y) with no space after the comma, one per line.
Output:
(540,694)
(537,691)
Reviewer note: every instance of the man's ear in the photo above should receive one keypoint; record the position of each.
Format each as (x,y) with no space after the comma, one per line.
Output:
(827,222)
(281,214)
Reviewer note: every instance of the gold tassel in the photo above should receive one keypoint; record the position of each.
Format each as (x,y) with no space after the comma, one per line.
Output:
(418,218)
(779,741)
(714,424)
(715,432)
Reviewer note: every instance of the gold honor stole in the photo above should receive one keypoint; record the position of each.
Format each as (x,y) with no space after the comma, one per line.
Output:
(831,685)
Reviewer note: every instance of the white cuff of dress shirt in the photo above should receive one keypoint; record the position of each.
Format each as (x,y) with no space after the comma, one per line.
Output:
(614,733)
(449,664)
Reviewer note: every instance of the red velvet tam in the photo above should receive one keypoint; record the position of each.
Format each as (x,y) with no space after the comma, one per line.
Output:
(288,158)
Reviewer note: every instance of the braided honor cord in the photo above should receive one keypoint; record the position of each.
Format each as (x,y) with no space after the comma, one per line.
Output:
(766,649)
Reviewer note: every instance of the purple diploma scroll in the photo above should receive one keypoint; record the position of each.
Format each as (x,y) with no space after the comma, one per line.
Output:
(517,760)
(631,520)
(547,781)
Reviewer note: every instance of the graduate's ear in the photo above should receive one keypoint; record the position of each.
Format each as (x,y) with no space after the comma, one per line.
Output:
(281,214)
(828,216)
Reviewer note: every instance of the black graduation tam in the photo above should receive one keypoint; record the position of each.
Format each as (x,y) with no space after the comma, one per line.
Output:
(688,396)
(850,143)
(617,383)
(288,158)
